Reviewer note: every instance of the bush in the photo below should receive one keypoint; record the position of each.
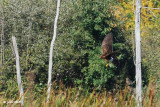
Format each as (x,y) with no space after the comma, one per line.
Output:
(82,26)
(81,41)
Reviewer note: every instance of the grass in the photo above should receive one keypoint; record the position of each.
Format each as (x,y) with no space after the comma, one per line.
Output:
(74,97)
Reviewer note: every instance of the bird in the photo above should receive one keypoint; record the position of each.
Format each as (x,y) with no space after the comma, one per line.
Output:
(128,82)
(107,50)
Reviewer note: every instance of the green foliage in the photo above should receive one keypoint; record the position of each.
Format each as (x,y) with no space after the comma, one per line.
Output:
(9,87)
(82,26)
(82,64)
(150,59)
(96,18)
(96,74)
(32,24)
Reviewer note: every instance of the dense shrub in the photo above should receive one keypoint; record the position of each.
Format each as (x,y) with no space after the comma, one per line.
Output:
(88,24)
(82,26)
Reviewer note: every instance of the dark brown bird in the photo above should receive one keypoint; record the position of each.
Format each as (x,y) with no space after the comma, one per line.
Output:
(107,50)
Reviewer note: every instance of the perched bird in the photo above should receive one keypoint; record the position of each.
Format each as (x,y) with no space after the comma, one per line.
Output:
(107,50)
(128,82)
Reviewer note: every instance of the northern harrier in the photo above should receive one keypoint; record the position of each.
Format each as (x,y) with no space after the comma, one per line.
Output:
(107,50)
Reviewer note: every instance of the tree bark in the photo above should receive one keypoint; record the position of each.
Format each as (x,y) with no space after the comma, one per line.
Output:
(51,51)
(138,53)
(20,87)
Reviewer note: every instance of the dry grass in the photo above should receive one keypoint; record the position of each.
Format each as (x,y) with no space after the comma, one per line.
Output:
(74,97)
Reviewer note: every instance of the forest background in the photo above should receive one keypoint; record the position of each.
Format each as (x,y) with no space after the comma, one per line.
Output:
(77,64)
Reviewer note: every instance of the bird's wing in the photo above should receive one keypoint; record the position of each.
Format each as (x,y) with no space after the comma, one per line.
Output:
(107,47)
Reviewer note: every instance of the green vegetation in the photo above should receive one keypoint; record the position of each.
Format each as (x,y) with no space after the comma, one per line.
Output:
(80,76)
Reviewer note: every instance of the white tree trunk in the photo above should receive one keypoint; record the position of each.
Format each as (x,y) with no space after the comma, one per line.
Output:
(51,51)
(138,53)
(20,87)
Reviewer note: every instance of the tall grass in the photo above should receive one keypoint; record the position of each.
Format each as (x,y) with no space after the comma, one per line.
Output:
(76,97)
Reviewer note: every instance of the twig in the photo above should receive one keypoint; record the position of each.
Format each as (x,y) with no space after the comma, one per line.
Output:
(154,14)
(151,8)
(2,35)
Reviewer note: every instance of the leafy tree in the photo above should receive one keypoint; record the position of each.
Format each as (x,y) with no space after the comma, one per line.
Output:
(82,26)
(85,67)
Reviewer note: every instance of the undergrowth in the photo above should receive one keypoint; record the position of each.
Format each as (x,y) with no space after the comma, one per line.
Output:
(77,97)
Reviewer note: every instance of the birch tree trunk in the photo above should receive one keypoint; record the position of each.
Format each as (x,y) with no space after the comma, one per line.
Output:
(138,53)
(20,87)
(51,51)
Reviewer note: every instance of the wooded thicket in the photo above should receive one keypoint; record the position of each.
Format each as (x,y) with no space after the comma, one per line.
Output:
(82,26)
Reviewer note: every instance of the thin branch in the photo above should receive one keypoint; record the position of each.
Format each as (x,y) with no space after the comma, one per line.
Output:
(154,14)
(2,34)
(145,7)
(151,8)
(28,36)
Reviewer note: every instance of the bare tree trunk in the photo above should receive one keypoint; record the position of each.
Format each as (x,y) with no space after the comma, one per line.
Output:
(51,51)
(20,87)
(2,35)
(138,53)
